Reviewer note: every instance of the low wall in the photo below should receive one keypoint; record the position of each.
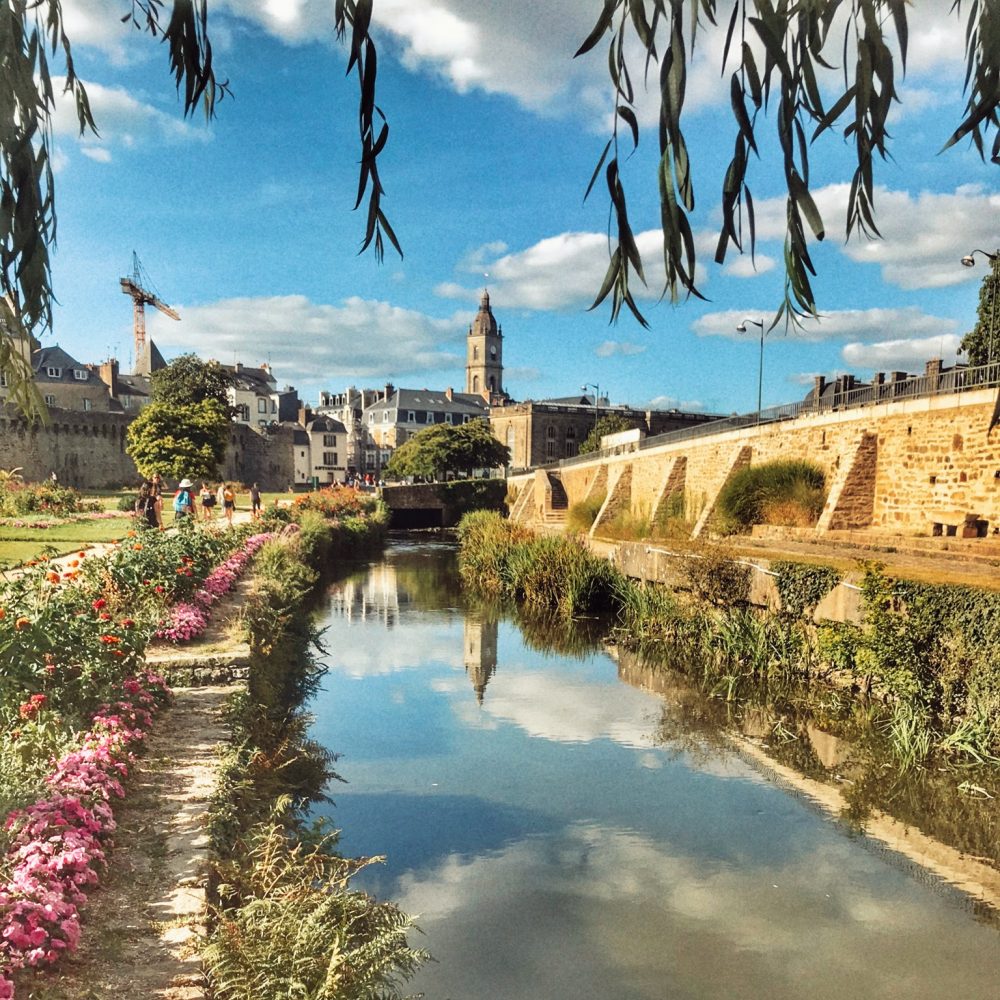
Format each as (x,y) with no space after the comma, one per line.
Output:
(441,505)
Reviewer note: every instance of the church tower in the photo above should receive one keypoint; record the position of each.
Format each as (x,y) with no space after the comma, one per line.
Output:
(484,354)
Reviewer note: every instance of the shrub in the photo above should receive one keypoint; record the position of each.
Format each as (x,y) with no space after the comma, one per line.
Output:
(802,586)
(712,573)
(778,492)
(581,516)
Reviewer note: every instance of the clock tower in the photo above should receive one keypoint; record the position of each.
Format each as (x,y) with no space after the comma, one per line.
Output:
(484,354)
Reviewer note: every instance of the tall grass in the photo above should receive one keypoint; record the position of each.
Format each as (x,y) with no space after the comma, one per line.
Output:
(581,516)
(779,492)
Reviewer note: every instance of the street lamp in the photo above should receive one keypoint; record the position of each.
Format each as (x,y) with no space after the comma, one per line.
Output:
(742,328)
(969,260)
(597,397)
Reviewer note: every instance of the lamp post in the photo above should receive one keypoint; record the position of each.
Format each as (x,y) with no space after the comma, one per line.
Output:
(742,328)
(969,260)
(597,397)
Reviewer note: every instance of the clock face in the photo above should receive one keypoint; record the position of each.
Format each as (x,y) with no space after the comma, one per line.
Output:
(493,351)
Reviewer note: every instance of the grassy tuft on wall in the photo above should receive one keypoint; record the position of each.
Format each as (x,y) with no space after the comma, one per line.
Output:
(785,491)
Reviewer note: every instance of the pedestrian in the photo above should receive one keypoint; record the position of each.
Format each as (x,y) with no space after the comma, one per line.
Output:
(255,502)
(145,508)
(207,502)
(183,504)
(156,489)
(229,502)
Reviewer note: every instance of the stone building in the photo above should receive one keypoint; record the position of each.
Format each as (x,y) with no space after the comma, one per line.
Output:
(256,398)
(360,454)
(546,430)
(404,412)
(327,450)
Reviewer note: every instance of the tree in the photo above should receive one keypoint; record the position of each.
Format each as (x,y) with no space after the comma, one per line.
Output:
(610,423)
(178,441)
(799,66)
(982,343)
(446,449)
(188,379)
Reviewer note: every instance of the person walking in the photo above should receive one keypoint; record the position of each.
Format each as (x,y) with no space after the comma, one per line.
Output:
(229,502)
(255,502)
(207,502)
(145,508)
(183,502)
(156,489)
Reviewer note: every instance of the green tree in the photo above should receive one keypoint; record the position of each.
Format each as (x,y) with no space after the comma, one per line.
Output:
(445,449)
(610,423)
(982,343)
(188,379)
(178,441)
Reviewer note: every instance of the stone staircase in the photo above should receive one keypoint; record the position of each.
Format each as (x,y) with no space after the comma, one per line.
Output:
(557,503)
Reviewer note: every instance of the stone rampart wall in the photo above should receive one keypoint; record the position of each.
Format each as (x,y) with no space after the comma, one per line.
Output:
(898,467)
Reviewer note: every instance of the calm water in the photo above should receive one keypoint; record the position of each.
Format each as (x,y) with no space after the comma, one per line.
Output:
(554,846)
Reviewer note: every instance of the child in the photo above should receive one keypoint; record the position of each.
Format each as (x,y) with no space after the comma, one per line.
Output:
(183,504)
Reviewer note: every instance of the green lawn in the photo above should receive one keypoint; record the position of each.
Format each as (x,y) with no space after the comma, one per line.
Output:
(20,544)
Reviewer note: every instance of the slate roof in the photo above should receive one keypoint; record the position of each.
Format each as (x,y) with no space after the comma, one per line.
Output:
(325,425)
(432,399)
(56,357)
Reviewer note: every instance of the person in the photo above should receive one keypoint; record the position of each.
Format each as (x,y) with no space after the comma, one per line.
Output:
(229,502)
(220,495)
(156,489)
(207,502)
(183,504)
(145,507)
(255,502)
(54,477)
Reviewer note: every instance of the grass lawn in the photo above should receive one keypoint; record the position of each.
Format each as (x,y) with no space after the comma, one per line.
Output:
(20,544)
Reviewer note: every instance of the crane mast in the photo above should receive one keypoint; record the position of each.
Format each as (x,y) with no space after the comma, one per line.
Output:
(139,288)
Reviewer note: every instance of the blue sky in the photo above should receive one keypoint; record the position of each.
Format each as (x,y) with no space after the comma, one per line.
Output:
(245,224)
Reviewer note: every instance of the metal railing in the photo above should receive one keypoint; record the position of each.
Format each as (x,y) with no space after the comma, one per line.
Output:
(954,381)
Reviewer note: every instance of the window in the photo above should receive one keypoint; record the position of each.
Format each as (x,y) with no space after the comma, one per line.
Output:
(50,400)
(550,450)
(411,416)
(430,416)
(261,423)
(493,351)
(466,418)
(475,383)
(447,418)
(475,353)
(371,418)
(274,406)
(244,413)
(88,404)
(385,416)
(329,440)
(261,405)
(571,446)
(126,402)
(53,372)
(493,383)
(79,375)
(550,433)
(329,458)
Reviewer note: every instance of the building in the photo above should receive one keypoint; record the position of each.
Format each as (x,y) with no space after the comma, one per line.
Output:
(69,385)
(484,355)
(327,451)
(546,430)
(256,398)
(348,407)
(390,422)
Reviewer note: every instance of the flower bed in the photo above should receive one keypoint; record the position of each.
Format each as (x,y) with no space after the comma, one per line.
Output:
(188,619)
(57,845)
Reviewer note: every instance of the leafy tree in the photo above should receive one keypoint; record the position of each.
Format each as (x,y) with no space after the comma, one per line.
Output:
(982,343)
(178,441)
(188,379)
(447,449)
(799,65)
(610,423)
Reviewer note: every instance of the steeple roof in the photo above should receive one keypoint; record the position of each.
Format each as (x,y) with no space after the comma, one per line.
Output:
(484,324)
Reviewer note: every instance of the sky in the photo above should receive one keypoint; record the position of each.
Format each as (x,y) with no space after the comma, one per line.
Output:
(245,223)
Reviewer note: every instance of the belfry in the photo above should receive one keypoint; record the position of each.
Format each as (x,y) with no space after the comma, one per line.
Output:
(484,354)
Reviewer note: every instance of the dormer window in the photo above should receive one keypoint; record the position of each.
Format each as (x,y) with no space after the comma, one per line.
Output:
(411,416)
(80,374)
(53,372)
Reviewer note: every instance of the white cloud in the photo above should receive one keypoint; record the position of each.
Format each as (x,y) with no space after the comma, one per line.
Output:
(862,324)
(673,403)
(122,122)
(901,355)
(626,348)
(745,266)
(560,272)
(358,339)
(924,235)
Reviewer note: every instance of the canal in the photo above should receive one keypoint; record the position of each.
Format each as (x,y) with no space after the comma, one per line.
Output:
(560,833)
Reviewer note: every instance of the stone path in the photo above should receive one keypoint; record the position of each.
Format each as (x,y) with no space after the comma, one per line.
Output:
(141,926)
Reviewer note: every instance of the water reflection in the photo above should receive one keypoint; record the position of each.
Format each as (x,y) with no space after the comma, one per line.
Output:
(571,821)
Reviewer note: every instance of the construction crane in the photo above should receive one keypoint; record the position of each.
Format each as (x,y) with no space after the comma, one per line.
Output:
(139,287)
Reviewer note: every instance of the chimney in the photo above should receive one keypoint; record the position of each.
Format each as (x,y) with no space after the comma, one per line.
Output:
(819,384)
(449,394)
(895,377)
(305,415)
(108,372)
(238,366)
(932,372)
(389,390)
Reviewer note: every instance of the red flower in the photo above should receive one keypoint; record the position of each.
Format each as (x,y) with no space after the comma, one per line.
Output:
(127,623)
(110,640)
(158,589)
(99,603)
(22,623)
(104,616)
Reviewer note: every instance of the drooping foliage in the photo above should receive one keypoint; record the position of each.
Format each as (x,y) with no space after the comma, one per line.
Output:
(825,65)
(982,343)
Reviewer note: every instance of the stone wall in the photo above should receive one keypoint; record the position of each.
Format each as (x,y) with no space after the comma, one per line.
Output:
(84,449)
(897,467)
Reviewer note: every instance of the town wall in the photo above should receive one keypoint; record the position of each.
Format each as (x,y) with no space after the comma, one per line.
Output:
(899,467)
